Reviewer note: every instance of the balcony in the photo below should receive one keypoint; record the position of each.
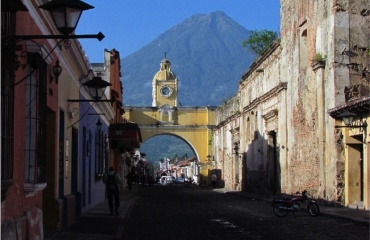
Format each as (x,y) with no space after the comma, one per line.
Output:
(124,136)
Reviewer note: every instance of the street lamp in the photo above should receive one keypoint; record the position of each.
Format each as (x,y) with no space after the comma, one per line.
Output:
(236,148)
(65,14)
(57,70)
(96,87)
(236,164)
(98,125)
(347,117)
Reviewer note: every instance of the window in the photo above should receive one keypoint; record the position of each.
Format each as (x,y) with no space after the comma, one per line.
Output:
(35,117)
(303,50)
(166,113)
(100,153)
(7,100)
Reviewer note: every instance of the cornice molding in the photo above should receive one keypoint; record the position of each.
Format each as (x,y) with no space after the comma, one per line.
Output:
(270,94)
(270,115)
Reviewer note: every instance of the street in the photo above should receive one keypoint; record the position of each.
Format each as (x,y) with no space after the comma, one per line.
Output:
(187,212)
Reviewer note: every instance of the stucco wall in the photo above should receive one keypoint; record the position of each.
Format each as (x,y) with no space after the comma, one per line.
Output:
(287,94)
(192,124)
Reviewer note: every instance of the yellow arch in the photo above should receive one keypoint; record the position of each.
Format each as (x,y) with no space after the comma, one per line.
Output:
(192,124)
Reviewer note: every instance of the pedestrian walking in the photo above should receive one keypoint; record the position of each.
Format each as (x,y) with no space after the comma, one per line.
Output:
(214,180)
(112,180)
(129,179)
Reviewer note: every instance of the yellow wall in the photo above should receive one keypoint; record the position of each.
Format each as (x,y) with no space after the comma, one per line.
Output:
(182,116)
(192,124)
(356,142)
(142,115)
(171,99)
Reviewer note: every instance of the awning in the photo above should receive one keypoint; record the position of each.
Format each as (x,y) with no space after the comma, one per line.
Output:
(360,106)
(124,136)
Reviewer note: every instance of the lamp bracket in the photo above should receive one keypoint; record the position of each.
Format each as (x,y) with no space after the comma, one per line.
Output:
(357,126)
(100,36)
(360,125)
(93,100)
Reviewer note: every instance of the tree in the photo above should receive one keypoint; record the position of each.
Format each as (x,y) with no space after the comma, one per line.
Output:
(259,40)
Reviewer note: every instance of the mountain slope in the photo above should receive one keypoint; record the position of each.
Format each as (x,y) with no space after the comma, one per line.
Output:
(205,53)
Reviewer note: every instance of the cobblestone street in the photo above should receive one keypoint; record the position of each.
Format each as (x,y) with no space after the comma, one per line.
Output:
(185,212)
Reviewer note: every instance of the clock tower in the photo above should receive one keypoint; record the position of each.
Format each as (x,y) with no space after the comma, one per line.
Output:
(165,86)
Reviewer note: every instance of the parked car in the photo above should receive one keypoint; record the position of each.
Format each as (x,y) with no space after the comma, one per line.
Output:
(180,180)
(166,180)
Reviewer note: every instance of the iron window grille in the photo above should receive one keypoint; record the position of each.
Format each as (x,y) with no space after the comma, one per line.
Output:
(7,101)
(36,107)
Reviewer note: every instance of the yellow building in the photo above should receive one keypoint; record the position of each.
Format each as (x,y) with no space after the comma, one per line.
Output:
(165,116)
(165,86)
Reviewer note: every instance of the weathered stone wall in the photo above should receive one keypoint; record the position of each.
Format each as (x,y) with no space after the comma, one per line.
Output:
(329,28)
(307,30)
(286,94)
(261,104)
(224,138)
(247,119)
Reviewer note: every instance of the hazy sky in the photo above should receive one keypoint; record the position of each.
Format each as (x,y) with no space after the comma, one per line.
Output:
(129,25)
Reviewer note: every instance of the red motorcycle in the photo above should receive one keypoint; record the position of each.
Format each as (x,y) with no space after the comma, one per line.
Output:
(282,206)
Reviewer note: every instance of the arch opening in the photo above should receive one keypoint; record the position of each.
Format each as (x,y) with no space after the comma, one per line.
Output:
(171,155)
(167,145)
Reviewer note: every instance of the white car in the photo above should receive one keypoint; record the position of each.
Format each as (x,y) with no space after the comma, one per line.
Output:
(166,180)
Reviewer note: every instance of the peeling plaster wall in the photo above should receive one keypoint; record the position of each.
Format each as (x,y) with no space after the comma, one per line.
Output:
(262,111)
(29,226)
(223,143)
(309,148)
(301,40)
(247,119)
(307,28)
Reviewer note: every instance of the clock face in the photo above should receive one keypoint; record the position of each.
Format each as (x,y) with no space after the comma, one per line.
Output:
(166,91)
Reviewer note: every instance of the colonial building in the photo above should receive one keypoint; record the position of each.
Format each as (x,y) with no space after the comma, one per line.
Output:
(249,121)
(54,133)
(282,130)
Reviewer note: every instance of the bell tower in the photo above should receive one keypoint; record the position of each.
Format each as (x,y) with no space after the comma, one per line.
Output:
(165,86)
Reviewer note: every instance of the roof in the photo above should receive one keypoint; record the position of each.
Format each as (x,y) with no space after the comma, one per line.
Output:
(165,72)
(358,106)
(182,162)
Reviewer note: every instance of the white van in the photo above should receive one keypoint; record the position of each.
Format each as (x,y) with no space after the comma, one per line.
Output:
(166,180)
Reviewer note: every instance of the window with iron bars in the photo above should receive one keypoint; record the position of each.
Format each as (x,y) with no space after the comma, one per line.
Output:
(35,116)
(7,100)
(100,153)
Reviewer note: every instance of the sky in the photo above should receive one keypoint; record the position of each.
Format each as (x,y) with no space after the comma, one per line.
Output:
(129,25)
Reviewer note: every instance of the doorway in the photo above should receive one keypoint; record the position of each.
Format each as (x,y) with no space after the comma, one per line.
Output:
(354,174)
(74,175)
(273,161)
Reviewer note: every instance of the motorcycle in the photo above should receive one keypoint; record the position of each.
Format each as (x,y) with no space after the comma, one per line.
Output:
(282,206)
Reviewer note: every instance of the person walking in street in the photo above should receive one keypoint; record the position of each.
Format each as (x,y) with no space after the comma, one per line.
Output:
(129,178)
(214,180)
(112,180)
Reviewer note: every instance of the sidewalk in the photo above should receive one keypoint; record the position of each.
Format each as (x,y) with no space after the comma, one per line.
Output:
(361,216)
(97,223)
